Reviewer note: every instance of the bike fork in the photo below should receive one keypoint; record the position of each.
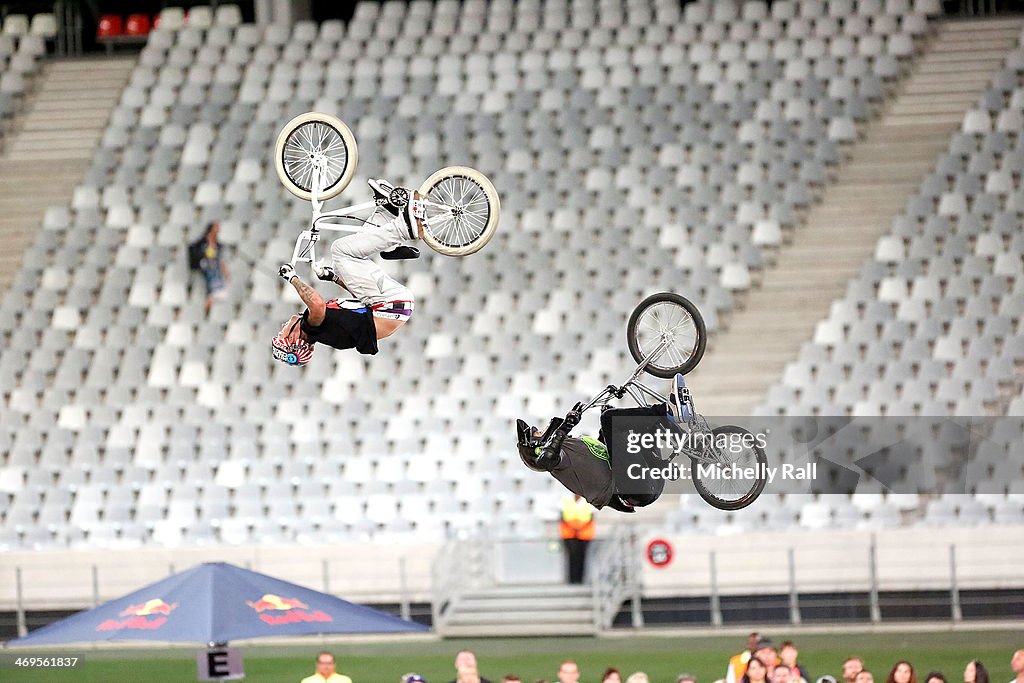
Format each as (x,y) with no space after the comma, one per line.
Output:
(684,401)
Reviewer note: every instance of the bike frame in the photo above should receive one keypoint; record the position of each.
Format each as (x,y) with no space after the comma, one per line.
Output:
(305,243)
(638,391)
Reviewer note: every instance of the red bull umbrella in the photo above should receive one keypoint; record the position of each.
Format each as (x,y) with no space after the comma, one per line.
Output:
(217,603)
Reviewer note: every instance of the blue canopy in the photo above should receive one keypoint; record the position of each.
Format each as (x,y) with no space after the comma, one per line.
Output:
(217,603)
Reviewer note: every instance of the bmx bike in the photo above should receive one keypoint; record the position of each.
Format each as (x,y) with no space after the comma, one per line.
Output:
(666,336)
(316,156)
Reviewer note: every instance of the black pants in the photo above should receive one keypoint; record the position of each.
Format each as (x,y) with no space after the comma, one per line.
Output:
(637,492)
(576,551)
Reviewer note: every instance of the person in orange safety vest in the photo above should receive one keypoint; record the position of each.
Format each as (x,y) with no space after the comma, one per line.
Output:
(577,530)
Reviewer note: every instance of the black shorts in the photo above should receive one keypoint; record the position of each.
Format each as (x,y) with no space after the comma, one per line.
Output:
(343,328)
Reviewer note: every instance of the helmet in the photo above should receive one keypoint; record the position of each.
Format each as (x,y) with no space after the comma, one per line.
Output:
(527,444)
(293,353)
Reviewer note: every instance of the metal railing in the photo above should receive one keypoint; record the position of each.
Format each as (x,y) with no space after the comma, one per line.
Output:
(615,577)
(458,566)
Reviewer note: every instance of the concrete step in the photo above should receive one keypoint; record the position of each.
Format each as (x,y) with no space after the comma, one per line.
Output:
(535,616)
(957,67)
(980,53)
(550,590)
(56,106)
(529,604)
(53,155)
(92,65)
(952,120)
(503,630)
(64,119)
(927,86)
(725,404)
(53,93)
(890,129)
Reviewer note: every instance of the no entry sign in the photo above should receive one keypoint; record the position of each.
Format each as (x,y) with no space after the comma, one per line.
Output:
(659,552)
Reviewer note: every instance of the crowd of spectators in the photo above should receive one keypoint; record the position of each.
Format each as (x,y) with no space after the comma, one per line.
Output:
(761,661)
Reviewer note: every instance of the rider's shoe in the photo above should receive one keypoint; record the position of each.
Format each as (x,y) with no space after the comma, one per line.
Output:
(381,191)
(399,253)
(414,212)
(680,408)
(389,197)
(323,272)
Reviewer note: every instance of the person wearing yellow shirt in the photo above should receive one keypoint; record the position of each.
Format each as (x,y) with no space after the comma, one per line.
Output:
(325,672)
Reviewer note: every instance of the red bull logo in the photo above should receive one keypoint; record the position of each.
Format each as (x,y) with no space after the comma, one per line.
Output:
(275,602)
(139,617)
(154,606)
(276,610)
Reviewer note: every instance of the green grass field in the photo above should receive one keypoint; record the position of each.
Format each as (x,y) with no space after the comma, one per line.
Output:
(660,656)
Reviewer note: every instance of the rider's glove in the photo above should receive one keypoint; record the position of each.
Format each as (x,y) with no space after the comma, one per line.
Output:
(572,418)
(323,272)
(287,272)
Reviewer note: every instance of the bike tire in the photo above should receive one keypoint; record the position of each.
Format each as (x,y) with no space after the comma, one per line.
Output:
(305,135)
(685,310)
(450,227)
(747,498)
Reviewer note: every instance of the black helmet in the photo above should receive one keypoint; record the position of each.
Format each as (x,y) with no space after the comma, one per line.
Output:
(527,442)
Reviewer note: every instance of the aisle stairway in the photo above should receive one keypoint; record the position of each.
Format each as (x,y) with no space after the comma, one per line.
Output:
(50,144)
(555,609)
(885,166)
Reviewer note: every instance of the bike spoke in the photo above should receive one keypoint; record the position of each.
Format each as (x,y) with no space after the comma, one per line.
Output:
(315,138)
(460,211)
(672,323)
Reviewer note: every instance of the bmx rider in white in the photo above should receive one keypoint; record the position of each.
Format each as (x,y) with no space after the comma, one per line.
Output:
(379,304)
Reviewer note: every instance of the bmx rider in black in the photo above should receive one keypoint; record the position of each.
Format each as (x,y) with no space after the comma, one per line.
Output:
(584,465)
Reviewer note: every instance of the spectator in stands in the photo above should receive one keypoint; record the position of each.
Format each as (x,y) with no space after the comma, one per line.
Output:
(935,677)
(204,255)
(1017,666)
(464,661)
(568,672)
(781,674)
(766,652)
(511,678)
(413,678)
(325,671)
(865,676)
(611,675)
(902,672)
(851,667)
(638,677)
(757,671)
(788,654)
(975,672)
(738,662)
(468,675)
(686,678)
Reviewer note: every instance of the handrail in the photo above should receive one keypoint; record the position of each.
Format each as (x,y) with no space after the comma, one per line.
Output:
(615,575)
(458,566)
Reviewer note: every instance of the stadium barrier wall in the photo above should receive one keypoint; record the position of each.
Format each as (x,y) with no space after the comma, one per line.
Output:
(905,559)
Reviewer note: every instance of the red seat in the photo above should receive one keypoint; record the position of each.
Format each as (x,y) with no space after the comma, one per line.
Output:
(110,26)
(137,25)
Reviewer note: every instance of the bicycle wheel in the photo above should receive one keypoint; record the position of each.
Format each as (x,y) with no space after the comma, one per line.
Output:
(672,320)
(730,492)
(312,142)
(462,210)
